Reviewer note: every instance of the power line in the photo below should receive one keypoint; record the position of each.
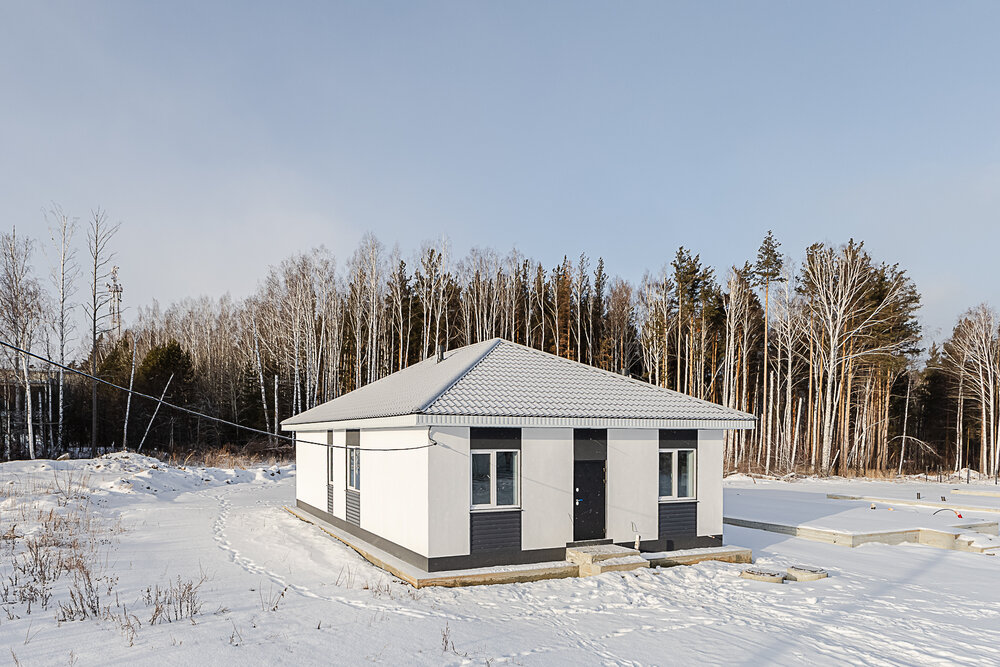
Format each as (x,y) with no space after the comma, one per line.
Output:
(195,412)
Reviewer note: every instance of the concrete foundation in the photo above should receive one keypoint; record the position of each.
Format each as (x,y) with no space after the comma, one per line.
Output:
(586,561)
(940,539)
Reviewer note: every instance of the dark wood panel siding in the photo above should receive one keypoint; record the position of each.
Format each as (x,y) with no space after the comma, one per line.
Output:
(492,531)
(329,498)
(678,520)
(678,438)
(353,507)
(441,563)
(494,438)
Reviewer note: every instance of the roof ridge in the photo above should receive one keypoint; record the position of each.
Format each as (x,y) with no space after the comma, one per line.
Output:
(458,377)
(617,376)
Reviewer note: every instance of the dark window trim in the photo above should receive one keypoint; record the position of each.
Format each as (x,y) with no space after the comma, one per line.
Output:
(677,438)
(590,444)
(489,437)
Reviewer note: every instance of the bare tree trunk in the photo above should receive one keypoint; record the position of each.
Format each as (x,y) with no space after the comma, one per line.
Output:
(128,399)
(906,416)
(27,405)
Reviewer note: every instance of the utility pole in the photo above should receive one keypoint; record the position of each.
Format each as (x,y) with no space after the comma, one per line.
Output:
(115,290)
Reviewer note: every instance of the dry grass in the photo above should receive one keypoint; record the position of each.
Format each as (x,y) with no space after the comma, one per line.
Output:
(55,551)
(230,458)
(176,601)
(41,546)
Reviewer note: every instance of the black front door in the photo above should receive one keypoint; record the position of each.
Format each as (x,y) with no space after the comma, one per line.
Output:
(588,498)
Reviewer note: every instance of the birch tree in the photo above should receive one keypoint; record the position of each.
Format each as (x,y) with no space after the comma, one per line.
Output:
(20,313)
(64,276)
(849,312)
(99,235)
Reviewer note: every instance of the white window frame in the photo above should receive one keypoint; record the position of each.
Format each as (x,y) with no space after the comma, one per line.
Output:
(354,481)
(674,478)
(493,479)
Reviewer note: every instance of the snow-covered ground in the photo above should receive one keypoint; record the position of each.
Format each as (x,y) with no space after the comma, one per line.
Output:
(804,503)
(274,589)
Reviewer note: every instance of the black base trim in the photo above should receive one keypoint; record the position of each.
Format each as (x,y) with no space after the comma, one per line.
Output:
(400,552)
(440,563)
(677,543)
(494,558)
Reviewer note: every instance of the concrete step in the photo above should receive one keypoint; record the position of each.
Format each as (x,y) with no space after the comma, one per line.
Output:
(597,553)
(622,564)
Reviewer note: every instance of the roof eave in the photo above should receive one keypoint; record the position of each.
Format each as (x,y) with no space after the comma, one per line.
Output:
(425,420)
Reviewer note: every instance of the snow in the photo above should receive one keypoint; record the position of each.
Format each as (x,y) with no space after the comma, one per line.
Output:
(804,503)
(279,590)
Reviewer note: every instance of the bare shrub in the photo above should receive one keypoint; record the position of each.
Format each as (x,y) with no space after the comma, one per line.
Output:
(70,485)
(177,601)
(89,596)
(272,600)
(128,624)
(345,577)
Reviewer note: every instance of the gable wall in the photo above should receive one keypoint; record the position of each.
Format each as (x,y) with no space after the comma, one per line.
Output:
(709,482)
(310,468)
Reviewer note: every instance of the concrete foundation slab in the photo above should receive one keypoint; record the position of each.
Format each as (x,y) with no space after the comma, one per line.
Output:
(725,554)
(595,560)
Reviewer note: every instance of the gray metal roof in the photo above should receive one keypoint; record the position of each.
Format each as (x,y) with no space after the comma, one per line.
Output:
(503,379)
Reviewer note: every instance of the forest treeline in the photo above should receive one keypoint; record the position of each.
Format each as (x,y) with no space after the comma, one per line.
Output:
(825,349)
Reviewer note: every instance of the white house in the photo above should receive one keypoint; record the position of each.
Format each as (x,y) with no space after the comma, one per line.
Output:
(497,454)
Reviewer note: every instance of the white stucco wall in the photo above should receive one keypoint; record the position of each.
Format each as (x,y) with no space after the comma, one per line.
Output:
(394,486)
(310,468)
(449,492)
(709,483)
(632,484)
(546,487)
(340,474)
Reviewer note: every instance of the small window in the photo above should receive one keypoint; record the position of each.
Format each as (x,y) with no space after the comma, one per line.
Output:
(354,468)
(677,472)
(495,479)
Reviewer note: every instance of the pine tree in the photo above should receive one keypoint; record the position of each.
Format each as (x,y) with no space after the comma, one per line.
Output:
(767,270)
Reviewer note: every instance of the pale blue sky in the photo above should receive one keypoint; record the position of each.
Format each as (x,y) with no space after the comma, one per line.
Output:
(227,136)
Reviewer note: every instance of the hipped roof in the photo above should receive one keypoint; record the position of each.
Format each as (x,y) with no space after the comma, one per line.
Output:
(498,378)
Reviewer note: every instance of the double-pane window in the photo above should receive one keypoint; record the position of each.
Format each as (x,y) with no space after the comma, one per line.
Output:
(354,468)
(495,478)
(677,472)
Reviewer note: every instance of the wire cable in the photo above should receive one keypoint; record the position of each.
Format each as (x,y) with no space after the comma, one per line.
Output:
(200,414)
